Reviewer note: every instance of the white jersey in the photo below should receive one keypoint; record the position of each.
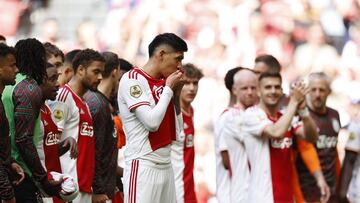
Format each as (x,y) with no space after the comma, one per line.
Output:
(222,174)
(136,89)
(258,152)
(353,144)
(72,117)
(240,174)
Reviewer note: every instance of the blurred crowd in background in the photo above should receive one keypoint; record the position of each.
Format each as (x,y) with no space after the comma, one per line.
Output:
(304,35)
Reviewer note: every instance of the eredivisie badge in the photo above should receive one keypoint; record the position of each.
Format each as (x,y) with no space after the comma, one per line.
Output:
(58,115)
(135,91)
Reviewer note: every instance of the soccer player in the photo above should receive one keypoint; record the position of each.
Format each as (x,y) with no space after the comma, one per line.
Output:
(268,63)
(245,90)
(328,124)
(8,72)
(183,159)
(49,146)
(73,119)
(268,139)
(350,171)
(106,152)
(66,71)
(54,55)
(147,111)
(22,104)
(221,150)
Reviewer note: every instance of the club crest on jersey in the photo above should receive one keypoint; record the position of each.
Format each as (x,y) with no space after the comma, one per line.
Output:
(51,139)
(282,143)
(158,91)
(135,91)
(58,115)
(335,125)
(189,141)
(86,129)
(352,136)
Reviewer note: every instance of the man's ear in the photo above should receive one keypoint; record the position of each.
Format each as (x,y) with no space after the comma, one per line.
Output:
(80,70)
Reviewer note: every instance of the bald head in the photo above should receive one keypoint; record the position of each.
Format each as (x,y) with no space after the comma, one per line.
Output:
(245,87)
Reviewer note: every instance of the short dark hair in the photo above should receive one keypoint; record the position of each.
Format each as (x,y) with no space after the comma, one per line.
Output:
(191,71)
(270,61)
(111,63)
(6,50)
(52,49)
(31,59)
(229,77)
(125,65)
(85,58)
(170,39)
(270,75)
(2,37)
(69,57)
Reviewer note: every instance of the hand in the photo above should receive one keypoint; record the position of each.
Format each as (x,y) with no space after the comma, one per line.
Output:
(324,190)
(52,187)
(298,91)
(72,145)
(175,80)
(12,200)
(99,198)
(16,169)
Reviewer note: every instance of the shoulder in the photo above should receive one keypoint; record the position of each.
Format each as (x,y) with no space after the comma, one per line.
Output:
(95,99)
(333,112)
(64,95)
(27,87)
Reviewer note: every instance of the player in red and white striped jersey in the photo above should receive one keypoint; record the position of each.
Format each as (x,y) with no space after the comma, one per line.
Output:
(147,110)
(268,140)
(73,119)
(183,159)
(49,146)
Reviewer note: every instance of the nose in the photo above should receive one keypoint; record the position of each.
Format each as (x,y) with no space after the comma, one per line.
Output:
(100,77)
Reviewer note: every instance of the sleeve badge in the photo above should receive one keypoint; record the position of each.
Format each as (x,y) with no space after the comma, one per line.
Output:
(135,91)
(58,115)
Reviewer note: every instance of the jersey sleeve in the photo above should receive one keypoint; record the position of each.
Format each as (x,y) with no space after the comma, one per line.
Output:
(133,92)
(353,143)
(233,125)
(61,112)
(255,122)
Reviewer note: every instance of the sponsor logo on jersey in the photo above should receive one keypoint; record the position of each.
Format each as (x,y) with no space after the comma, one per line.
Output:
(52,139)
(326,142)
(189,141)
(282,143)
(58,115)
(135,91)
(186,126)
(82,111)
(86,129)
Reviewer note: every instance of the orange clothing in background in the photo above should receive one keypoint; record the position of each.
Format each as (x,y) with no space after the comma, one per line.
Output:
(309,156)
(121,140)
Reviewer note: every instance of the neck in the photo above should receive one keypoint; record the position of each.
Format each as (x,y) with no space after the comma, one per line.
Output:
(185,106)
(76,85)
(269,110)
(232,101)
(150,68)
(105,87)
(321,110)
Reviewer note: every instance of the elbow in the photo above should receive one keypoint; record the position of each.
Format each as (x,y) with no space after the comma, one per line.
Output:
(152,127)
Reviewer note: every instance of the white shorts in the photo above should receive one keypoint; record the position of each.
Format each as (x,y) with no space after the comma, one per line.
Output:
(145,181)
